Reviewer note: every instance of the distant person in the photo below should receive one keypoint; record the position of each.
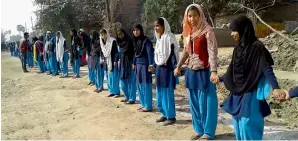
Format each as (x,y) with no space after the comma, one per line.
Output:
(248,78)
(181,42)
(51,54)
(143,60)
(39,54)
(96,62)
(23,48)
(11,48)
(30,53)
(62,54)
(75,52)
(127,75)
(109,49)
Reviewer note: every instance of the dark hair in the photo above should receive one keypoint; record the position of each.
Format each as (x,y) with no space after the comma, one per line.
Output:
(160,21)
(74,31)
(102,31)
(193,8)
(95,36)
(40,38)
(58,32)
(26,33)
(34,39)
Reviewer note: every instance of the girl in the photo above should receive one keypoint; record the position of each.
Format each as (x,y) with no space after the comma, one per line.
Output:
(75,58)
(39,54)
(96,64)
(127,75)
(165,56)
(110,52)
(247,79)
(62,54)
(143,60)
(200,47)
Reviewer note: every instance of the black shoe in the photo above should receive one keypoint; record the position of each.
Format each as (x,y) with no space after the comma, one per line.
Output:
(169,122)
(89,83)
(26,71)
(162,119)
(111,95)
(130,102)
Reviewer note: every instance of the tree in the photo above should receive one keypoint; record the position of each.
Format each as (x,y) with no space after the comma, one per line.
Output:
(21,29)
(169,9)
(65,14)
(15,38)
(3,36)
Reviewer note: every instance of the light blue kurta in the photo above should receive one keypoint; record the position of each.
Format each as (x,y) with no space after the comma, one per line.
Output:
(252,127)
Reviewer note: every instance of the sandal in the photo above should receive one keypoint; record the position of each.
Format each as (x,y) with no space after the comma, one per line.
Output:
(205,137)
(117,96)
(130,102)
(144,110)
(195,137)
(111,95)
(124,100)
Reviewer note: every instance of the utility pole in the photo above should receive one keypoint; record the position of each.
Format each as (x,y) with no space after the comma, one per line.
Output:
(32,27)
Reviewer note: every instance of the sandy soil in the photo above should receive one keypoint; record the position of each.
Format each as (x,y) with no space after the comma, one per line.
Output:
(38,106)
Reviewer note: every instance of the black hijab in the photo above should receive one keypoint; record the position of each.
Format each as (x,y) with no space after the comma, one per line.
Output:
(138,41)
(249,59)
(77,42)
(126,52)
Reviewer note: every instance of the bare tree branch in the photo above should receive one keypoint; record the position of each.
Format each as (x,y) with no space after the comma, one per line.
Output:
(259,18)
(296,29)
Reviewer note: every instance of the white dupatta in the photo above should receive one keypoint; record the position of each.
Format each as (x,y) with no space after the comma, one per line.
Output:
(107,49)
(163,45)
(60,47)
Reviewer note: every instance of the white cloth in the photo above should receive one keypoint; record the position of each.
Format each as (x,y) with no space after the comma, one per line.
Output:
(163,45)
(60,47)
(107,49)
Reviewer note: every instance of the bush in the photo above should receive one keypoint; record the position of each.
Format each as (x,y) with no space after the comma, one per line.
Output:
(263,31)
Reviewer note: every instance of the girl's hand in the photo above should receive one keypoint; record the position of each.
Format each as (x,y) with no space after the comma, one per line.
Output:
(214,77)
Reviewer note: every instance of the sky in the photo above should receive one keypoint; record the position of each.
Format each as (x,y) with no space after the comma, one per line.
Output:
(14,12)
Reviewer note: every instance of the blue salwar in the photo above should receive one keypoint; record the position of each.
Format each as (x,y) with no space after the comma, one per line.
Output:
(76,67)
(64,64)
(91,75)
(203,107)
(40,63)
(53,66)
(249,125)
(145,95)
(165,99)
(128,86)
(203,101)
(99,75)
(113,81)
(30,59)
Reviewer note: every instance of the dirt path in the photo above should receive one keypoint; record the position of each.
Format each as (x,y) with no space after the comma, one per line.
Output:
(37,106)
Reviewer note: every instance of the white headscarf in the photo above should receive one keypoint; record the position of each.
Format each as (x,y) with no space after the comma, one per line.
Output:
(107,49)
(60,47)
(163,45)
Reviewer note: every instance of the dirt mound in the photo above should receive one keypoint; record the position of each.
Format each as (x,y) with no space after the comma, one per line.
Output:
(284,53)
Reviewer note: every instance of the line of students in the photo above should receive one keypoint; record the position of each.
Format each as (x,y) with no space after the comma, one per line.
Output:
(131,61)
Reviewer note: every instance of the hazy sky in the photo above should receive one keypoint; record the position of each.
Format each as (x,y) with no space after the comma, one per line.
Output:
(14,12)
